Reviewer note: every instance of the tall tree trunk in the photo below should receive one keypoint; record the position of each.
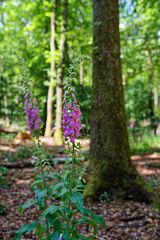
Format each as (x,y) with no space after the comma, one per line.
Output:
(52,72)
(110,166)
(58,131)
(150,84)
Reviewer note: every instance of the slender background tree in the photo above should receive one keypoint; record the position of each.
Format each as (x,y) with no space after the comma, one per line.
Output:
(60,75)
(49,120)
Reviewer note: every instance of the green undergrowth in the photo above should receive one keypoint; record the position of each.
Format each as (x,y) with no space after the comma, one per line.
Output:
(143,143)
(3,173)
(2,209)
(8,137)
(22,152)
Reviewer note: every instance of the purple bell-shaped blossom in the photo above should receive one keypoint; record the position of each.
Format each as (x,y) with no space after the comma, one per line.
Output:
(71,120)
(31,109)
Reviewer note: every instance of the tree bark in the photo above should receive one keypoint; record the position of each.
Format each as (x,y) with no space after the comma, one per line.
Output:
(58,131)
(52,70)
(150,83)
(156,100)
(81,73)
(110,166)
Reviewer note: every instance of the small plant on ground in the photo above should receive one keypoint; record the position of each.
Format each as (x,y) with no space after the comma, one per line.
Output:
(3,184)
(58,195)
(3,173)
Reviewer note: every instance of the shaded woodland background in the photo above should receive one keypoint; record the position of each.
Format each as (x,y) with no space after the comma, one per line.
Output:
(26,27)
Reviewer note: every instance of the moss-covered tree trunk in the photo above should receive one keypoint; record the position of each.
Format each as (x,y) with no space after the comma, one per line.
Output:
(111,169)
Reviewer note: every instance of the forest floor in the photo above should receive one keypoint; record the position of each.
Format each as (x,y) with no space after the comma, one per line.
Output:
(125,220)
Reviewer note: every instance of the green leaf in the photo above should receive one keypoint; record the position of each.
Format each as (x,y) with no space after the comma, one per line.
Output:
(99,220)
(40,231)
(66,210)
(54,176)
(82,220)
(51,209)
(56,186)
(88,212)
(37,182)
(55,221)
(26,205)
(65,236)
(96,218)
(76,198)
(26,228)
(40,195)
(63,192)
(56,235)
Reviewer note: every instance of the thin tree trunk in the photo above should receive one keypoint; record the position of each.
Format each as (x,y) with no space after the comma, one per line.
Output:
(58,131)
(110,166)
(150,84)
(81,73)
(1,87)
(52,72)
(153,94)
(156,100)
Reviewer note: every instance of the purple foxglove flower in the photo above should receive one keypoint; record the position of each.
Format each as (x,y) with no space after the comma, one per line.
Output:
(74,114)
(67,131)
(68,105)
(75,107)
(65,117)
(72,138)
(71,120)
(33,117)
(78,112)
(77,133)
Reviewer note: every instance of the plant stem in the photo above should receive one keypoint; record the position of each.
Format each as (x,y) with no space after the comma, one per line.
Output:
(45,187)
(73,161)
(71,185)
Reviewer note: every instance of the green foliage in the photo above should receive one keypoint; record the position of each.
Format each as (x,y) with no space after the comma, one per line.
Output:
(24,22)
(142,142)
(22,152)
(154,183)
(2,210)
(27,228)
(140,44)
(3,173)
(65,188)
(8,137)
(25,26)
